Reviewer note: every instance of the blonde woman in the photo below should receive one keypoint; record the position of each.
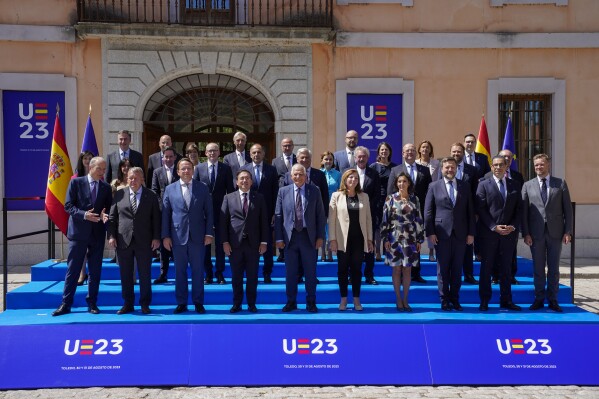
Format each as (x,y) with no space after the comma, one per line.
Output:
(350,234)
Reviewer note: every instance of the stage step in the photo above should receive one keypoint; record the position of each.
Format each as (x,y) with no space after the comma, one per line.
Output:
(44,294)
(52,271)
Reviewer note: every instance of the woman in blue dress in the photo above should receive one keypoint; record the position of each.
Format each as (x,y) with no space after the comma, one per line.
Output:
(327,161)
(402,232)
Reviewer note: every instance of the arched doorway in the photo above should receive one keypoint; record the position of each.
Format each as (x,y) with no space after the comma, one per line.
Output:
(203,108)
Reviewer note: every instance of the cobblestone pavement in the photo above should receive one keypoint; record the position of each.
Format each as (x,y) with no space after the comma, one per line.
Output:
(586,296)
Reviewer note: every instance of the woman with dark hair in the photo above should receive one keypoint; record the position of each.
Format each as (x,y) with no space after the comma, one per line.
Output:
(426,158)
(121,175)
(350,234)
(82,168)
(383,166)
(193,153)
(333,176)
(402,232)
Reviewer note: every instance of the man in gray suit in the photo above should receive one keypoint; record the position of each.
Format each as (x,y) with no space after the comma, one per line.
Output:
(546,224)
(134,232)
(299,228)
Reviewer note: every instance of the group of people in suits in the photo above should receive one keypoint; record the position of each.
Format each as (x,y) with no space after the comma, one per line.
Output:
(239,204)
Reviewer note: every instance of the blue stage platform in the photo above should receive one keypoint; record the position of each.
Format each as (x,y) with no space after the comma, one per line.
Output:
(376,346)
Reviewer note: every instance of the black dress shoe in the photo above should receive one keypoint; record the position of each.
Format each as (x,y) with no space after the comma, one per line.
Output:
(371,281)
(495,280)
(200,308)
(93,308)
(235,309)
(419,279)
(161,279)
(553,305)
(267,279)
(145,309)
(509,306)
(470,279)
(289,306)
(484,306)
(252,308)
(180,309)
(311,307)
(221,280)
(62,309)
(280,258)
(445,306)
(208,281)
(125,309)
(300,279)
(514,281)
(456,305)
(537,304)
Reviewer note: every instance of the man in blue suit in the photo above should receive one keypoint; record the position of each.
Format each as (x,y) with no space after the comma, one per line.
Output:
(473,158)
(187,227)
(498,204)
(217,176)
(88,199)
(299,228)
(346,158)
(449,223)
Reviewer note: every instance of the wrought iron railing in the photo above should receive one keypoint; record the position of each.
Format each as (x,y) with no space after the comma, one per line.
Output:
(286,13)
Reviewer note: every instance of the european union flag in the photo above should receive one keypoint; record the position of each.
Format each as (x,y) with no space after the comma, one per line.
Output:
(89,138)
(510,144)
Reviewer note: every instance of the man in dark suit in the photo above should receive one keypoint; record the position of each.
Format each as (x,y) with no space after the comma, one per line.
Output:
(468,174)
(421,178)
(87,201)
(237,159)
(299,227)
(449,223)
(498,204)
(187,227)
(217,176)
(156,159)
(283,165)
(245,231)
(370,182)
(265,180)
(162,177)
(546,223)
(476,159)
(346,158)
(134,231)
(114,158)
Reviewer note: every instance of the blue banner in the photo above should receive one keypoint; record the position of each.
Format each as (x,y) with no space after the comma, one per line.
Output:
(28,127)
(376,118)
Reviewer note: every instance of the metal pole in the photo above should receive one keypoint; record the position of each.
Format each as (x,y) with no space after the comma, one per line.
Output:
(573,249)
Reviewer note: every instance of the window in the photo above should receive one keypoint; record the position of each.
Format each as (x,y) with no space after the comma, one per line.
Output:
(531,122)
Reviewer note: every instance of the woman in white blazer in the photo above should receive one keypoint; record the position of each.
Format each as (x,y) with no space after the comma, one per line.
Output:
(350,234)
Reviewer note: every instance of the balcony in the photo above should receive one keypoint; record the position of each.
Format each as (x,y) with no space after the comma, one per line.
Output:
(209,13)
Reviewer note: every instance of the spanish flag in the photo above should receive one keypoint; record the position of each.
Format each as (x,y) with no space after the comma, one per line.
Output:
(59,176)
(482,144)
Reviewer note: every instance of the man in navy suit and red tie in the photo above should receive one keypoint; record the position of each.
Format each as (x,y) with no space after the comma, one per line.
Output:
(219,179)
(449,223)
(498,204)
(245,231)
(87,201)
(187,227)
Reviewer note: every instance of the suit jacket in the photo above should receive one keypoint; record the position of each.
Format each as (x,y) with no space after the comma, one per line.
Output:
(159,181)
(144,224)
(279,164)
(341,160)
(314,217)
(114,158)
(423,179)
(78,201)
(231,160)
(183,224)
(514,175)
(372,188)
(155,162)
(492,210)
(222,185)
(234,224)
(442,218)
(317,178)
(556,213)
(339,219)
(482,164)
(269,184)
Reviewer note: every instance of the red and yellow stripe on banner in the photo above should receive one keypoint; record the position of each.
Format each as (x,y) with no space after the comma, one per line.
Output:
(482,144)
(59,176)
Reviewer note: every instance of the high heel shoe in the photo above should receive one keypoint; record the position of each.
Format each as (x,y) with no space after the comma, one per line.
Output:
(81,282)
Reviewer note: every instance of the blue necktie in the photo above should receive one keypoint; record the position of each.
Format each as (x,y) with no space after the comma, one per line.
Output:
(451,192)
(94,192)
(212,177)
(299,212)
(257,172)
(544,190)
(502,189)
(412,174)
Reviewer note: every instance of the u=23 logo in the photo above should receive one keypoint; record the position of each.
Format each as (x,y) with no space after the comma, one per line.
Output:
(524,346)
(305,346)
(85,347)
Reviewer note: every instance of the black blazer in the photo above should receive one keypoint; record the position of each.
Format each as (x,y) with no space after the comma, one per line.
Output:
(222,186)
(423,179)
(234,225)
(114,158)
(155,162)
(372,187)
(145,224)
(514,175)
(492,210)
(269,185)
